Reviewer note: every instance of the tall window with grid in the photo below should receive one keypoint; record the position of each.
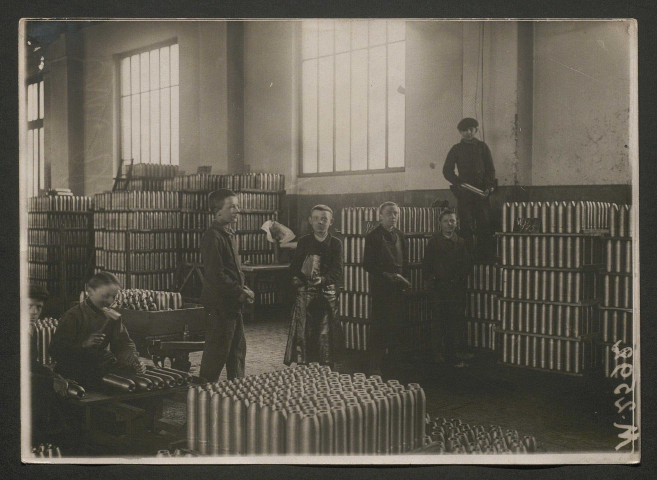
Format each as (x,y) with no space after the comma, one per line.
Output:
(352,95)
(36,167)
(149,105)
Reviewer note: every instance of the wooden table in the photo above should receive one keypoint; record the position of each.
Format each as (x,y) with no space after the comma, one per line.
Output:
(136,411)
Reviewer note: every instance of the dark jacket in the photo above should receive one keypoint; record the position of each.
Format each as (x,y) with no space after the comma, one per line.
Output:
(446,265)
(330,252)
(474,162)
(76,362)
(379,257)
(222,270)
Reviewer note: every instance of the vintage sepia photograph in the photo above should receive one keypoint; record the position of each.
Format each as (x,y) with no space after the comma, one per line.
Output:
(329,241)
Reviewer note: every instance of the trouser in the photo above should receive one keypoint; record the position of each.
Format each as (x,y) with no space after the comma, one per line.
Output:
(317,333)
(448,328)
(475,221)
(387,330)
(224,345)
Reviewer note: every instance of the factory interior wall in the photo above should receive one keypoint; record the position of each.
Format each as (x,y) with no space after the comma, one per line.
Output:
(239,108)
(206,119)
(513,102)
(581,103)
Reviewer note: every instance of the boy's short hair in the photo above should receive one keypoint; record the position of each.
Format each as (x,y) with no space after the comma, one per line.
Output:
(447,211)
(38,292)
(466,124)
(386,204)
(321,208)
(103,278)
(216,199)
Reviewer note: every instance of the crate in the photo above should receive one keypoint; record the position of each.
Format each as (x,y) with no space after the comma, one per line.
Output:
(146,325)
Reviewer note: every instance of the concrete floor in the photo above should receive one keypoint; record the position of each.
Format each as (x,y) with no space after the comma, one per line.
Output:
(565,414)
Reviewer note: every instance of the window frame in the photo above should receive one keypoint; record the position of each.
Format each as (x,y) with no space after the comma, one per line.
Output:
(37,124)
(117,76)
(299,73)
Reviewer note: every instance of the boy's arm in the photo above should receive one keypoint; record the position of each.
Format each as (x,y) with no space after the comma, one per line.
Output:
(449,166)
(213,263)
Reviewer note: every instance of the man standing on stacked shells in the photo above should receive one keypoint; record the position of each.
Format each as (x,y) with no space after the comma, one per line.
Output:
(474,162)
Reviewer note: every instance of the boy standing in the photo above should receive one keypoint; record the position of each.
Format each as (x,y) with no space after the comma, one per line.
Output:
(224,292)
(446,265)
(385,261)
(474,162)
(316,269)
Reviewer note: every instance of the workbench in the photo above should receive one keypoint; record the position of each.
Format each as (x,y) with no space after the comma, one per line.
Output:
(119,420)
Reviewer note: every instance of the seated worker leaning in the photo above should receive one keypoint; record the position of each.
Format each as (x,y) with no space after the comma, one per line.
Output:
(385,261)
(446,265)
(315,333)
(224,292)
(91,339)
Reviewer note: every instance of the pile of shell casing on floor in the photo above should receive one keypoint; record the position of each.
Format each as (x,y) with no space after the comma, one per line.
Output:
(44,331)
(154,378)
(305,410)
(178,452)
(454,436)
(46,451)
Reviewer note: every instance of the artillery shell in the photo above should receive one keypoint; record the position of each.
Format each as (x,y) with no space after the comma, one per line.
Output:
(191,417)
(340,437)
(119,383)
(292,433)
(543,355)
(277,432)
(237,427)
(627,261)
(224,424)
(252,410)
(203,420)
(396,425)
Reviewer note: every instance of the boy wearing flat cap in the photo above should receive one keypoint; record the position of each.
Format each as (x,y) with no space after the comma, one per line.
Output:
(473,160)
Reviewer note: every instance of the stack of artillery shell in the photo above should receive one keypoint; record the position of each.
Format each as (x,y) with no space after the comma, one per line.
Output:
(616,311)
(482,306)
(147,257)
(154,378)
(60,242)
(549,304)
(44,330)
(557,217)
(455,437)
(355,307)
(305,410)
